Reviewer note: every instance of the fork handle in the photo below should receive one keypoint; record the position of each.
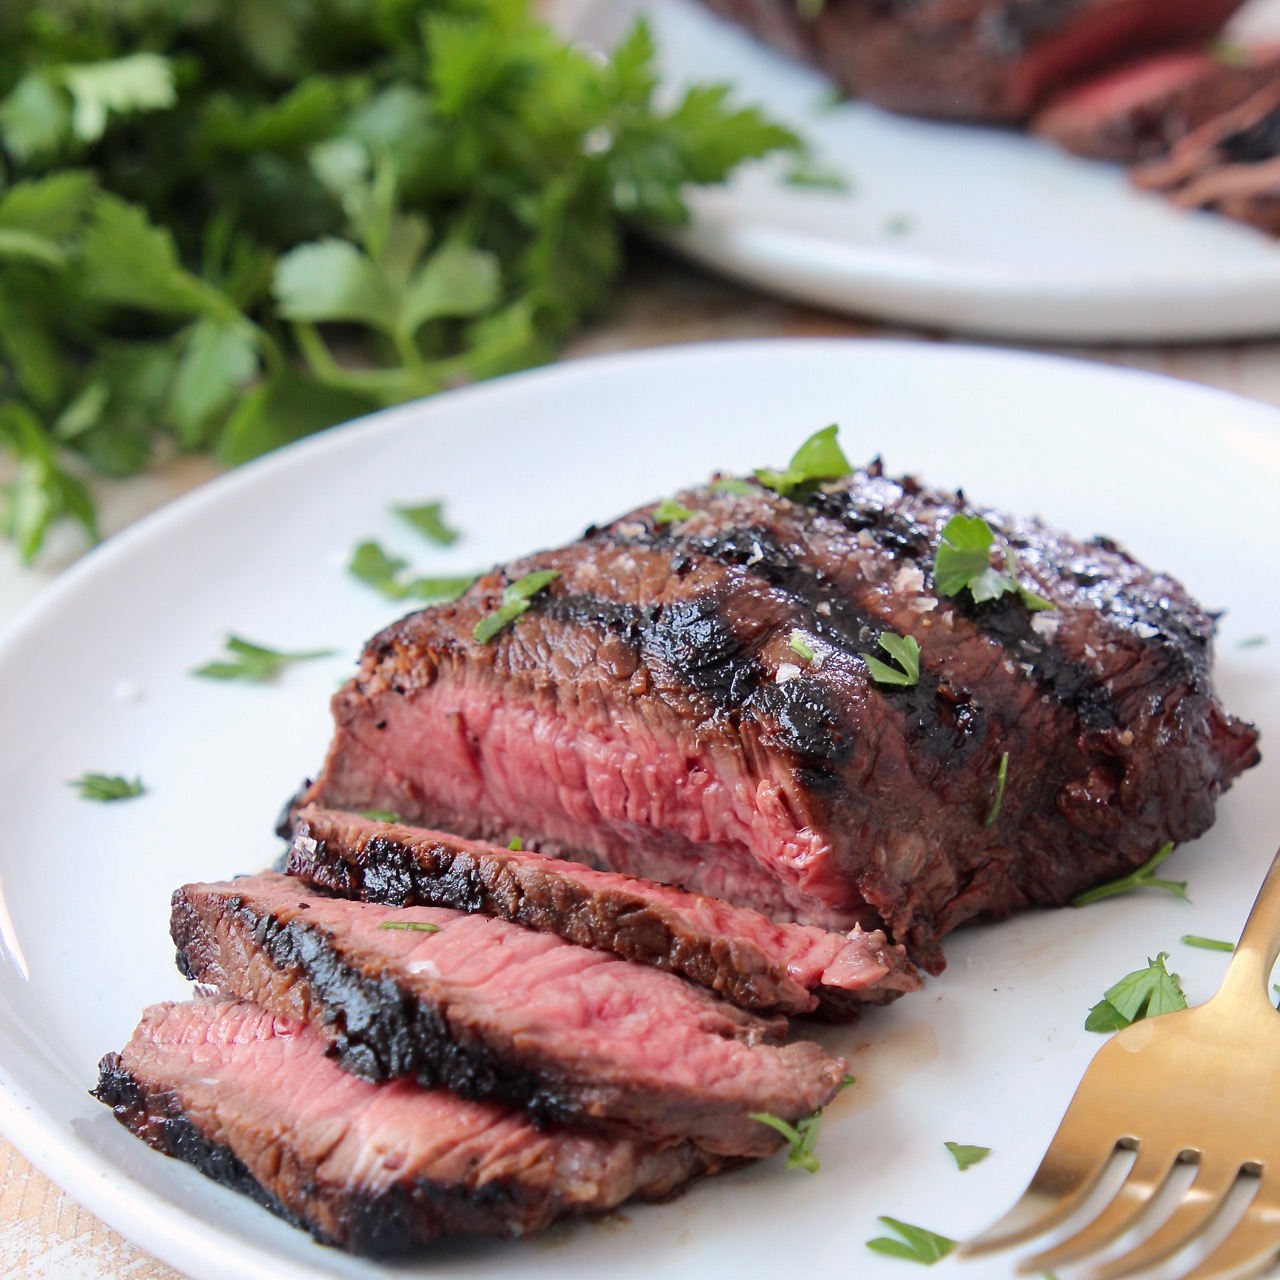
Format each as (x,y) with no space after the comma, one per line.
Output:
(1259,945)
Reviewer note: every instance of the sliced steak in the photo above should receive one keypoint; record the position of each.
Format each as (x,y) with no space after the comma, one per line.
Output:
(254,1102)
(993,60)
(1231,164)
(742,955)
(650,715)
(1139,111)
(490,1009)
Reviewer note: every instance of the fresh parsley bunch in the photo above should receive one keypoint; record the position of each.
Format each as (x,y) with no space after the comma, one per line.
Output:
(225,224)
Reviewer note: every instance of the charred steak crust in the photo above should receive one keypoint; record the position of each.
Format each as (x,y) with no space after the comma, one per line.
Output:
(649,716)
(157,1118)
(488,1009)
(378,1170)
(993,60)
(744,957)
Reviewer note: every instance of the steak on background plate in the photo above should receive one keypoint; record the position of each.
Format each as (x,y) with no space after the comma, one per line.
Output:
(750,960)
(254,1102)
(650,714)
(992,60)
(489,1009)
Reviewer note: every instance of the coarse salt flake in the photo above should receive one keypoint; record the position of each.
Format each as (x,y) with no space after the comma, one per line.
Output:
(786,671)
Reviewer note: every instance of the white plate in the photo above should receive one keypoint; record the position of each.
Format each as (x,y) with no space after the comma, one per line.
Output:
(1004,234)
(93,677)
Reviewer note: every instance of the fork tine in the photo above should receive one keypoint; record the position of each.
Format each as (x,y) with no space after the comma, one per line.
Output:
(1069,1171)
(1148,1174)
(1194,1214)
(1252,1246)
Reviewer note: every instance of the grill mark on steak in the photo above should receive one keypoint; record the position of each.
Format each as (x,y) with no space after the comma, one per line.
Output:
(376,1169)
(755,962)
(489,1009)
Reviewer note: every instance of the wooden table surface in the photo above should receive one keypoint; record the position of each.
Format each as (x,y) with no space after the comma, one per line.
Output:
(45,1235)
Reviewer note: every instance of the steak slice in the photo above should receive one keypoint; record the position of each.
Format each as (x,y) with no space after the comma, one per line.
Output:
(994,60)
(649,714)
(742,955)
(253,1101)
(1230,164)
(489,1009)
(1139,111)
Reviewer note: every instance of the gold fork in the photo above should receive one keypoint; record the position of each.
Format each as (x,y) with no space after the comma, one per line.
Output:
(1199,1085)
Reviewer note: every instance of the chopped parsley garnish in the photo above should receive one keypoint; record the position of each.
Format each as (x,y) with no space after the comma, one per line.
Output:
(106,787)
(254,662)
(1207,944)
(516,845)
(1141,878)
(386,574)
(802,1138)
(966,1156)
(1002,776)
(805,172)
(904,651)
(410,926)
(963,563)
(819,458)
(1140,994)
(798,644)
(1251,642)
(916,1245)
(515,603)
(381,815)
(668,511)
(731,484)
(429,521)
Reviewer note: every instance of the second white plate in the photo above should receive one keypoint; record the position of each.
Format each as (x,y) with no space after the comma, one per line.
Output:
(980,230)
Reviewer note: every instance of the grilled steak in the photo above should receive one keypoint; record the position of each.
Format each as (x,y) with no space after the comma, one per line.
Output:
(253,1101)
(1230,164)
(1139,111)
(745,957)
(991,60)
(492,1010)
(650,714)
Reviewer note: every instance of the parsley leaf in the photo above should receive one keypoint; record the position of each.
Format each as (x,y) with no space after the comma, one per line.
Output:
(1002,776)
(428,519)
(1207,944)
(515,603)
(798,644)
(668,511)
(963,562)
(254,662)
(819,458)
(410,926)
(738,488)
(516,845)
(966,1156)
(380,815)
(106,787)
(905,652)
(1135,880)
(802,1137)
(1141,994)
(916,1245)
(119,86)
(386,574)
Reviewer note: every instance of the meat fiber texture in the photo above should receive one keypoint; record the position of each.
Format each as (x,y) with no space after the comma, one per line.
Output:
(755,962)
(1138,112)
(993,60)
(650,715)
(253,1101)
(490,1009)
